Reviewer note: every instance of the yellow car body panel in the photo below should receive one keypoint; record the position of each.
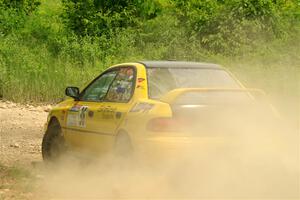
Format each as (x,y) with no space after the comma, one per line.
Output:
(89,138)
(104,120)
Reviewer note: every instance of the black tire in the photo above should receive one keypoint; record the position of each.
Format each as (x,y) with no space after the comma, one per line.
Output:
(53,144)
(123,146)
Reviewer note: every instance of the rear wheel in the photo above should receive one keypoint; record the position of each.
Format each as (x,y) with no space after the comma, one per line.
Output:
(53,144)
(123,146)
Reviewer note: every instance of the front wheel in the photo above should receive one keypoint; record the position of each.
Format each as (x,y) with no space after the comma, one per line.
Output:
(53,144)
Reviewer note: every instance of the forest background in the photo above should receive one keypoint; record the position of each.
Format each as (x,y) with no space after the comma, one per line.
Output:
(46,45)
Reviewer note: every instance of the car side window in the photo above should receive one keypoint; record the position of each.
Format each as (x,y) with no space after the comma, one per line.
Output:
(121,88)
(97,90)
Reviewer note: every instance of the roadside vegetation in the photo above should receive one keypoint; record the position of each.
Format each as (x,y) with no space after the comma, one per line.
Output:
(46,45)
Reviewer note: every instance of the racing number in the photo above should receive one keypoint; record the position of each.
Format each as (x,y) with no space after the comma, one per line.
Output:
(77,116)
(82,116)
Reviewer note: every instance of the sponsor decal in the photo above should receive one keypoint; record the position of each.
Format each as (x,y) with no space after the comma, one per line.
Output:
(108,113)
(72,119)
(145,107)
(75,108)
(77,116)
(140,85)
(140,80)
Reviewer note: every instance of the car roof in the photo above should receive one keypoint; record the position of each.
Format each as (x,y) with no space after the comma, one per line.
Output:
(179,64)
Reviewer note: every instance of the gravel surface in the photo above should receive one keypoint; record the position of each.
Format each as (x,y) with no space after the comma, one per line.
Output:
(21,132)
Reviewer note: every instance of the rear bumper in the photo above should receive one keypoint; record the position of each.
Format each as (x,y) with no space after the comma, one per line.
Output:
(174,148)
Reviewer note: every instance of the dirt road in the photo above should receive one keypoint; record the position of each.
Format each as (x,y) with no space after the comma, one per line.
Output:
(21,131)
(23,176)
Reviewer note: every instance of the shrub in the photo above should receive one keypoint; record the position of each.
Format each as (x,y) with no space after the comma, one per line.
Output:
(14,14)
(227,27)
(97,18)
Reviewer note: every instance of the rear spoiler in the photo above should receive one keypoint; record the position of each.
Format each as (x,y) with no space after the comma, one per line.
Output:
(173,94)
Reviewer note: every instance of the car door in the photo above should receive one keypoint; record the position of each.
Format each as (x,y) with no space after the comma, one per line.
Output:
(119,100)
(84,132)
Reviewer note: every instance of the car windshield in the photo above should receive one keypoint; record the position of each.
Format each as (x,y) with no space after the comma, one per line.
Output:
(163,80)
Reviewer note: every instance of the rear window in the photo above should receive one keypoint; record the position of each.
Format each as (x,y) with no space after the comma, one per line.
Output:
(163,80)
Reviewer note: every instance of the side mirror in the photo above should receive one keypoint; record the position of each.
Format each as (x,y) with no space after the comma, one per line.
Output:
(72,92)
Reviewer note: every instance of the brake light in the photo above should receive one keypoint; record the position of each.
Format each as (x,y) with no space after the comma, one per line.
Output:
(164,124)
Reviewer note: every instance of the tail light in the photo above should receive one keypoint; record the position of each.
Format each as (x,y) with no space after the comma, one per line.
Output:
(164,124)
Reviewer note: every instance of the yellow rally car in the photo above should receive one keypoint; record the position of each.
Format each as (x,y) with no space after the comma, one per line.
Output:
(151,107)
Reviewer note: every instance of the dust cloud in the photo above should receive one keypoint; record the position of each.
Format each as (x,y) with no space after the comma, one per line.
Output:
(242,151)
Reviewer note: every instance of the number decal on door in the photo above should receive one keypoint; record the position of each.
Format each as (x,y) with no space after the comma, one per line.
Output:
(77,116)
(82,116)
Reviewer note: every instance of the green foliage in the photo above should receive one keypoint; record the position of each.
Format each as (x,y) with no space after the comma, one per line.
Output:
(46,47)
(13,14)
(26,6)
(226,27)
(100,17)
